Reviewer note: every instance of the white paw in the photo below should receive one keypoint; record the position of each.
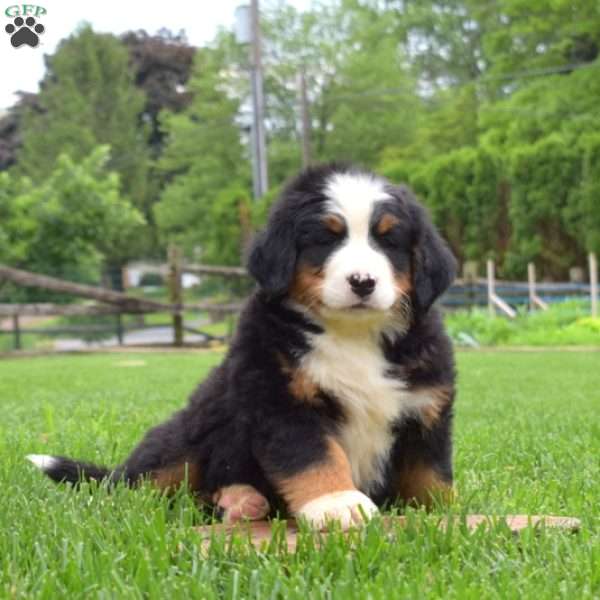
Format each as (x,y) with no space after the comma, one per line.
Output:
(347,508)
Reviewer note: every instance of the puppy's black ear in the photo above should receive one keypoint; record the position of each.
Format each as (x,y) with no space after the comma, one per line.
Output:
(434,266)
(272,258)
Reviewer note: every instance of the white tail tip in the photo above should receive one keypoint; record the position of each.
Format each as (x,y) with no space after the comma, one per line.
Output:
(42,461)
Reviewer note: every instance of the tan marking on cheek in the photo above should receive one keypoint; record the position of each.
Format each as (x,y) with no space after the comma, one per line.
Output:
(386,223)
(421,485)
(334,223)
(441,397)
(333,474)
(403,305)
(307,287)
(171,477)
(403,284)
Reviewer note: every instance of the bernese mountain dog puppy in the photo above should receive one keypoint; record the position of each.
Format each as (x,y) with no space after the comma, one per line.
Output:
(335,397)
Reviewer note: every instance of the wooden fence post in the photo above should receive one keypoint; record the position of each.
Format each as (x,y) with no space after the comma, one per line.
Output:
(17,332)
(594,284)
(534,299)
(125,281)
(531,282)
(176,292)
(494,301)
(120,329)
(491,287)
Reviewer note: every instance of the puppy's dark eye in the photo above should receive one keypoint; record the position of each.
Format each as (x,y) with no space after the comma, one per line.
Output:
(390,238)
(321,237)
(393,239)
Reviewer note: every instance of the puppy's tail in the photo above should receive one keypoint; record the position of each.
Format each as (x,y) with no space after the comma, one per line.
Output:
(62,469)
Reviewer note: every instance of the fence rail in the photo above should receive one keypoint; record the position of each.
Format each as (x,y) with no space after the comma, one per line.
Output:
(475,293)
(54,310)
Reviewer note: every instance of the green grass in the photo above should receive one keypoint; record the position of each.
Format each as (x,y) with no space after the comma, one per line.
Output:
(527,440)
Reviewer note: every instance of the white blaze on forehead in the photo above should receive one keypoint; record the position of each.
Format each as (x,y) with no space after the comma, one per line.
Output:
(354,195)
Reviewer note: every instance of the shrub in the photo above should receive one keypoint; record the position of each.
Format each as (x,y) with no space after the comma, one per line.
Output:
(563,324)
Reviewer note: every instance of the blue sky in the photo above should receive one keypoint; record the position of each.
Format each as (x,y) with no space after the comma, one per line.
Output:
(23,67)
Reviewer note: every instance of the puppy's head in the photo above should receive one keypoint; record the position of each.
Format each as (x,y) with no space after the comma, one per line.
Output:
(342,241)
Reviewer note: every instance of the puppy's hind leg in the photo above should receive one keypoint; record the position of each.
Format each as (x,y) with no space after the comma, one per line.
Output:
(241,501)
(165,457)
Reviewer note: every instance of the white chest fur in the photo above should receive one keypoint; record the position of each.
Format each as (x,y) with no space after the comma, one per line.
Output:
(353,369)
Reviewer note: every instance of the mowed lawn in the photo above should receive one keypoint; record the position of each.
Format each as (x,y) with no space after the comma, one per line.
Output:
(527,440)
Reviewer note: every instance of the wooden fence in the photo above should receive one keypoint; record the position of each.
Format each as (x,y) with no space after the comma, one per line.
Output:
(506,296)
(503,296)
(113,303)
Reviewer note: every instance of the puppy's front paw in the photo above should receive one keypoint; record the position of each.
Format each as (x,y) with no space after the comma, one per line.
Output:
(347,508)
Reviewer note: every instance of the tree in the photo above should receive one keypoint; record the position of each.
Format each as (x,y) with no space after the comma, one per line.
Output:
(10,128)
(444,38)
(543,175)
(360,90)
(370,101)
(204,160)
(88,98)
(461,190)
(161,65)
(67,224)
(487,108)
(583,212)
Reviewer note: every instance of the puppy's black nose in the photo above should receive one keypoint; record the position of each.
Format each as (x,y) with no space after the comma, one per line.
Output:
(361,286)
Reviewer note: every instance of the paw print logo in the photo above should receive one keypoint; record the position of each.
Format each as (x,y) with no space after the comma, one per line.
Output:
(24,32)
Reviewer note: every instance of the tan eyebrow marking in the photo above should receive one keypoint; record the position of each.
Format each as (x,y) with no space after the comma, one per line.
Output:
(334,223)
(386,223)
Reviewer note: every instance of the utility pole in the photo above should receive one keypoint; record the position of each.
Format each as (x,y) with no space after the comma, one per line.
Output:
(305,115)
(259,145)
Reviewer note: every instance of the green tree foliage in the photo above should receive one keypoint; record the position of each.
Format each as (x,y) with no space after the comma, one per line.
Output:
(489,109)
(543,35)
(88,98)
(363,125)
(544,175)
(358,81)
(461,188)
(69,223)
(517,82)
(583,213)
(443,38)
(206,162)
